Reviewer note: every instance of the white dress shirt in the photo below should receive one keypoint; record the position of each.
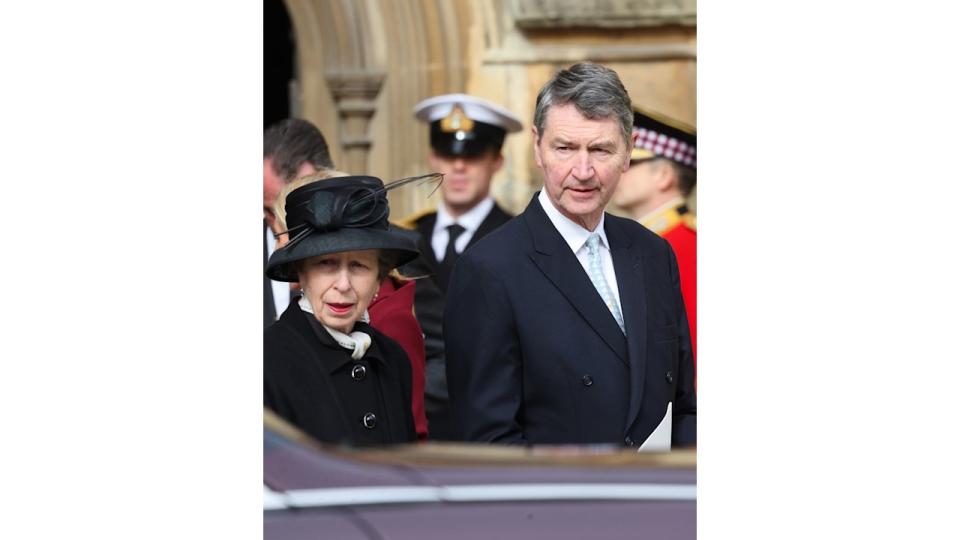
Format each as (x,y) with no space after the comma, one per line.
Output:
(470,221)
(281,289)
(576,237)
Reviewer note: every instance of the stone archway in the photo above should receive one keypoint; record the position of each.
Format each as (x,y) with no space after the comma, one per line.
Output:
(363,66)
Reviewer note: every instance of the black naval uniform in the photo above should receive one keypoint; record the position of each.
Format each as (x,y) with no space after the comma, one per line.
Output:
(312,382)
(430,299)
(460,125)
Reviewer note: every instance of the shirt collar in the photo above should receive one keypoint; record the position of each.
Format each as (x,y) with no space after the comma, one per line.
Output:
(573,234)
(271,240)
(470,221)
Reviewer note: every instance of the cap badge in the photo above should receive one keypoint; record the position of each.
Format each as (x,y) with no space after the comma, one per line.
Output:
(457,120)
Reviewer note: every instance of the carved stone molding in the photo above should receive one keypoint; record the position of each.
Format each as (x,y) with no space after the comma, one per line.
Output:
(645,52)
(548,14)
(354,93)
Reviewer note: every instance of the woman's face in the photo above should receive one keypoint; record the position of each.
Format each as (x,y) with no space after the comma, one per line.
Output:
(340,286)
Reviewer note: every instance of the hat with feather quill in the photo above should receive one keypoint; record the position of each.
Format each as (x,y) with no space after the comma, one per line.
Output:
(348,213)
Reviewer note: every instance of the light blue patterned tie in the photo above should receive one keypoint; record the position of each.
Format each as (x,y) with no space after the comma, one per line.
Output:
(595,267)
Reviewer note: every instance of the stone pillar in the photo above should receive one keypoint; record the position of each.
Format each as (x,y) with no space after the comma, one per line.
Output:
(354,93)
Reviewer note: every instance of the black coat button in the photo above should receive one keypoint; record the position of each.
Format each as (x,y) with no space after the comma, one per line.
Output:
(628,441)
(359,372)
(670,377)
(587,380)
(369,420)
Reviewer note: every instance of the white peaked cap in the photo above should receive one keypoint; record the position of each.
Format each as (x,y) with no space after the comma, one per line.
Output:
(481,110)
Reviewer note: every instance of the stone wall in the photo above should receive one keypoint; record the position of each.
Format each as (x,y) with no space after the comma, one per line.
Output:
(363,64)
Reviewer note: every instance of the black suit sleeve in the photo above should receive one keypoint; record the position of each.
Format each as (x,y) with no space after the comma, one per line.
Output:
(428,305)
(684,400)
(484,363)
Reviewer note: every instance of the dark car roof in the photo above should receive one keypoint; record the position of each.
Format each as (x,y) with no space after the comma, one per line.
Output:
(458,490)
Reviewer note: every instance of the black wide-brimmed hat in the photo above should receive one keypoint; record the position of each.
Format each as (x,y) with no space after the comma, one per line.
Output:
(349,213)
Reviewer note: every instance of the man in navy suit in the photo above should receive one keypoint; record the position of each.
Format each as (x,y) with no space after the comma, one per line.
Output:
(567,325)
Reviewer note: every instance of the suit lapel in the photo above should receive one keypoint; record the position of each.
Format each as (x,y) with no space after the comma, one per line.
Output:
(553,257)
(627,263)
(494,219)
(425,228)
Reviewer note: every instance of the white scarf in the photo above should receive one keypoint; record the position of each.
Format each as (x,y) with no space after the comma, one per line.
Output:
(356,342)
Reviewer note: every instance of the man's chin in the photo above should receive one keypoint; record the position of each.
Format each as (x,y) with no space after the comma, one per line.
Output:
(461,203)
(581,204)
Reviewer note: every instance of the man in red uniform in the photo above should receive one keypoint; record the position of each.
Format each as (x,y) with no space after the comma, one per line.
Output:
(663,172)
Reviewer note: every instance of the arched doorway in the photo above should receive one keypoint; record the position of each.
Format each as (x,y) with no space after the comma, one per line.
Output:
(278,62)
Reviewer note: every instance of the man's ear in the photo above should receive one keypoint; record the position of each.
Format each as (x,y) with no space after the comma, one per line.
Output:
(666,176)
(498,162)
(630,147)
(305,168)
(536,146)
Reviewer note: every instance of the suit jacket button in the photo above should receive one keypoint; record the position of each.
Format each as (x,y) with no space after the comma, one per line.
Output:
(369,420)
(587,380)
(670,377)
(359,372)
(628,441)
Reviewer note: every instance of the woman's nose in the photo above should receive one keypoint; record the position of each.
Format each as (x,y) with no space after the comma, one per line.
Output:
(342,282)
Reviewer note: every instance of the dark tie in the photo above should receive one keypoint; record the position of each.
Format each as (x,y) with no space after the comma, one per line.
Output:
(450,256)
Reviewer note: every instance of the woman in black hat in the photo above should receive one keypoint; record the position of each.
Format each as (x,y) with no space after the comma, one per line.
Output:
(325,369)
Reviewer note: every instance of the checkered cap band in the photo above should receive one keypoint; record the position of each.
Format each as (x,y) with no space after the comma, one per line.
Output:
(668,147)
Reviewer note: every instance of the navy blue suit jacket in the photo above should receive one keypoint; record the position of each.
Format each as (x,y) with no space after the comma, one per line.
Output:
(535,357)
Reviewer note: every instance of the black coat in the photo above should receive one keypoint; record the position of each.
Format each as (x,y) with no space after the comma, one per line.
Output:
(311,381)
(534,355)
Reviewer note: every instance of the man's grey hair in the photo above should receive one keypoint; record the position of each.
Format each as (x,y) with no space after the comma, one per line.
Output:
(595,90)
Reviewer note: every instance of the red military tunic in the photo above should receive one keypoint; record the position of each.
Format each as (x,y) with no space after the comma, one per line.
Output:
(679,227)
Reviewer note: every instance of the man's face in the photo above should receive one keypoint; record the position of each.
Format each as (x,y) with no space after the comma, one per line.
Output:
(273,182)
(466,179)
(582,161)
(637,186)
